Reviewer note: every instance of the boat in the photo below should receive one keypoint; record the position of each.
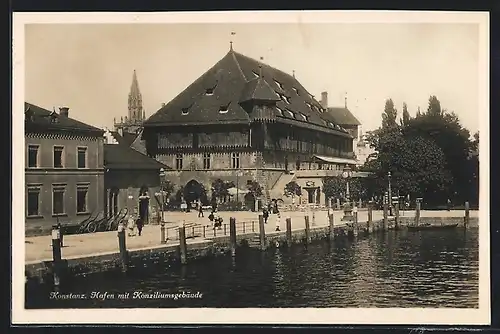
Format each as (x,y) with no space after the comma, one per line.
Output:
(422,227)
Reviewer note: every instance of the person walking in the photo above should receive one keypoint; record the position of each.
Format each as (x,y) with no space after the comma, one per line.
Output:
(265,214)
(131,225)
(278,222)
(140,224)
(448,204)
(200,210)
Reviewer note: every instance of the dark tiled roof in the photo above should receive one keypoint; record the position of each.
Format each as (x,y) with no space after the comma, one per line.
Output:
(232,80)
(40,119)
(121,156)
(126,139)
(343,116)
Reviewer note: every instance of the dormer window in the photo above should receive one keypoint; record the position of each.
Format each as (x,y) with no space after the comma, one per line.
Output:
(325,122)
(278,84)
(224,109)
(331,124)
(210,91)
(280,111)
(287,99)
(284,98)
(308,105)
(304,117)
(290,113)
(295,90)
(185,111)
(255,74)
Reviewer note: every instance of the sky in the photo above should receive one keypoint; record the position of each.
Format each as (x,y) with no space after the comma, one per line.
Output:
(88,67)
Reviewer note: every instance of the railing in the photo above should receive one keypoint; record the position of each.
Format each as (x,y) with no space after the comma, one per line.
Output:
(196,230)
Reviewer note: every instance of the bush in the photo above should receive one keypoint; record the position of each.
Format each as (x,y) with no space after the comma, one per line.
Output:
(231,206)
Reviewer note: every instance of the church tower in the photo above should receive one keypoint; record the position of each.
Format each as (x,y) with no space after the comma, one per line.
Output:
(136,114)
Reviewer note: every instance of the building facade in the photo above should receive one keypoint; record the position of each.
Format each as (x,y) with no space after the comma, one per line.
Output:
(244,121)
(136,114)
(64,171)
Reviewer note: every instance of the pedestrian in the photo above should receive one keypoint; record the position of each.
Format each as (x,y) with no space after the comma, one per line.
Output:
(131,225)
(200,210)
(448,204)
(278,222)
(265,214)
(140,224)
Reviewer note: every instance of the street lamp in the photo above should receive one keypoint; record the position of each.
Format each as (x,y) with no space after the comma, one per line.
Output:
(162,192)
(390,193)
(346,174)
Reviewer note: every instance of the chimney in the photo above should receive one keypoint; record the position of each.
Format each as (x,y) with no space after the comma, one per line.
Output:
(324,99)
(64,111)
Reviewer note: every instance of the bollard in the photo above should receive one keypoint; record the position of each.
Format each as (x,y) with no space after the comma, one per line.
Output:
(370,217)
(56,253)
(204,231)
(123,246)
(313,217)
(417,212)
(253,226)
(289,231)
(262,233)
(331,221)
(162,233)
(244,223)
(306,220)
(396,211)
(232,235)
(385,223)
(467,215)
(192,232)
(182,244)
(225,229)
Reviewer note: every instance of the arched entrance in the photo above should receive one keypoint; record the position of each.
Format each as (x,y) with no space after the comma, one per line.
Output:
(250,201)
(144,203)
(194,192)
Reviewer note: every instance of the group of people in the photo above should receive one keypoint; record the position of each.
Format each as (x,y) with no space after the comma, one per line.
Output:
(134,225)
(269,209)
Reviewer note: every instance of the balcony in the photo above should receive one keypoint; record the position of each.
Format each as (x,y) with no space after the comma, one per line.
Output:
(316,172)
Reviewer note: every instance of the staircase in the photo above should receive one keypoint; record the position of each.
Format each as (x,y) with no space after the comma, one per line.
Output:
(279,187)
(254,242)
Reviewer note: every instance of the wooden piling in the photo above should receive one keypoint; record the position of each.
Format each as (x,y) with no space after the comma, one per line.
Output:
(232,235)
(122,244)
(262,233)
(307,230)
(204,231)
(355,227)
(313,217)
(396,212)
(417,212)
(331,225)
(225,229)
(182,244)
(386,220)
(163,240)
(370,217)
(289,231)
(56,254)
(467,215)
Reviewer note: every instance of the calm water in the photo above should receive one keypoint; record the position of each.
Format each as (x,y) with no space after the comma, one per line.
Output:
(396,269)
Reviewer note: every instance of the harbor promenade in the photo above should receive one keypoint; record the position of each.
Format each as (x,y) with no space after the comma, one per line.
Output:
(39,249)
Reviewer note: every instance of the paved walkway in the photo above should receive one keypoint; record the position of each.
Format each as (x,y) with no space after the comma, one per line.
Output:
(40,248)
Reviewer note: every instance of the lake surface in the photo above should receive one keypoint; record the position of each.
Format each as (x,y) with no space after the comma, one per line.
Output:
(393,269)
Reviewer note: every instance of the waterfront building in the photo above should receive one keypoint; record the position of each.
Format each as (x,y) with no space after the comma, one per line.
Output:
(64,172)
(129,174)
(244,121)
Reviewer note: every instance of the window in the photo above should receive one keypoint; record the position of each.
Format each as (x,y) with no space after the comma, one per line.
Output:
(255,74)
(82,157)
(304,117)
(185,111)
(206,160)
(210,91)
(280,111)
(236,160)
(33,201)
(81,198)
(284,98)
(33,156)
(223,109)
(291,114)
(178,161)
(58,156)
(58,200)
(296,90)
(278,84)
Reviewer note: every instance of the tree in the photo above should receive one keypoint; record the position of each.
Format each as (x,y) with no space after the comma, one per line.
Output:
(390,114)
(255,189)
(167,187)
(405,120)
(434,108)
(220,189)
(336,187)
(292,189)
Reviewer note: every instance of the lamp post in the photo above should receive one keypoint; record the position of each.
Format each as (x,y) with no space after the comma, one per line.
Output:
(390,193)
(346,174)
(238,172)
(162,192)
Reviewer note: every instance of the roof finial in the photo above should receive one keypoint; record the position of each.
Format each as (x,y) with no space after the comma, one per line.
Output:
(293,73)
(231,41)
(260,70)
(345,100)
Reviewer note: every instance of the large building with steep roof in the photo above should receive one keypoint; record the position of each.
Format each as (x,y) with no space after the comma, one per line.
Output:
(244,121)
(64,169)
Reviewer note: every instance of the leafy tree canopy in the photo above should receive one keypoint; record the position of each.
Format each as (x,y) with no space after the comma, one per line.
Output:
(292,189)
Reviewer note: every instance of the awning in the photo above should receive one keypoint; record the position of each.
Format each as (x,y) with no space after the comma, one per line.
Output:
(335,160)
(234,191)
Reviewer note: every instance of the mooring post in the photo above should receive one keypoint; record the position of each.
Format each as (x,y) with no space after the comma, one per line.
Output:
(385,223)
(56,253)
(163,240)
(232,235)
(355,227)
(306,220)
(204,231)
(396,211)
(289,231)
(262,233)
(225,229)
(182,244)
(253,225)
(122,244)
(417,212)
(313,217)
(331,224)
(467,215)
(370,217)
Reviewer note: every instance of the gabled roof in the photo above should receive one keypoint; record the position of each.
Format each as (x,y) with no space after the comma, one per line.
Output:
(121,156)
(343,116)
(235,79)
(40,119)
(125,138)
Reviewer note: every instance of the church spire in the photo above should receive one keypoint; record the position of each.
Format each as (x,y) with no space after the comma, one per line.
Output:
(135,111)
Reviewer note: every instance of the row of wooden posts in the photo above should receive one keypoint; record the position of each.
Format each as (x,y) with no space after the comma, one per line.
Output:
(57,236)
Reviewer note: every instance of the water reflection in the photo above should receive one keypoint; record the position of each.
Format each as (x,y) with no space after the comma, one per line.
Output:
(395,269)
